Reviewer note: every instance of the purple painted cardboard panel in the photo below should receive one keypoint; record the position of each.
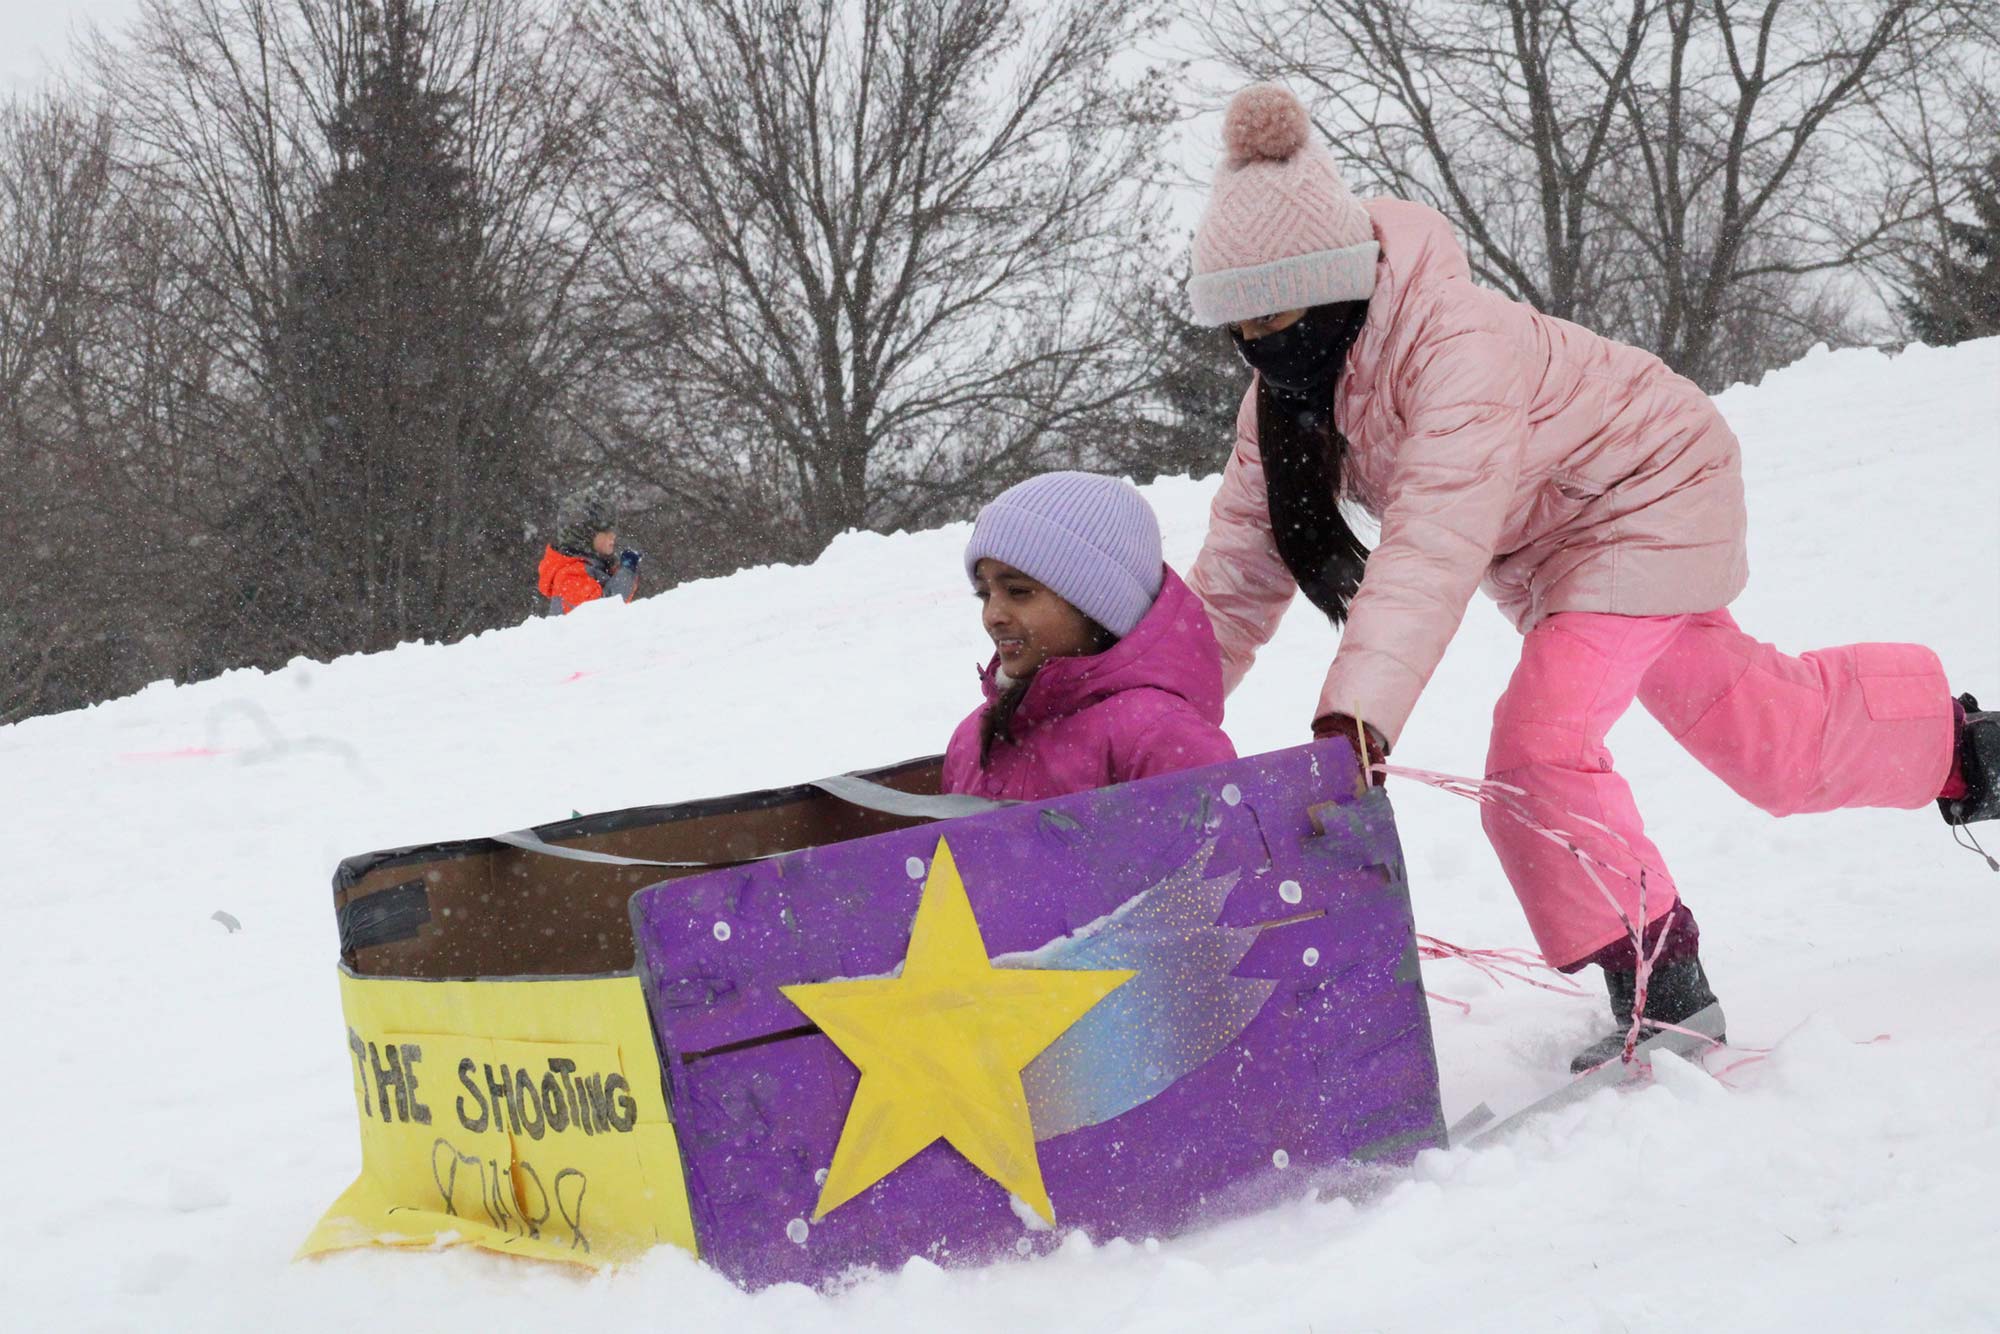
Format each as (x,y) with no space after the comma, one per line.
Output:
(1306,939)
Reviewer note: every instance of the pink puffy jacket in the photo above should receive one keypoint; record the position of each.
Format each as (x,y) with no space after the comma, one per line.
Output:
(1150,704)
(1495,443)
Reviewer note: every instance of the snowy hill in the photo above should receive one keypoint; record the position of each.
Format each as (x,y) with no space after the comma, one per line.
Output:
(182,1112)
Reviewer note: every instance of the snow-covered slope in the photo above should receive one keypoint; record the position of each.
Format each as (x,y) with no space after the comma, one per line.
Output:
(180,1108)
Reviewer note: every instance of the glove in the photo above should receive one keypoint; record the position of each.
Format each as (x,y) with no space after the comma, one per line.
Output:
(1331,725)
(629,559)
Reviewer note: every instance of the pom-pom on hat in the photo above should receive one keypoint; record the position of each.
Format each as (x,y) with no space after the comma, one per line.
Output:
(1094,541)
(1281,231)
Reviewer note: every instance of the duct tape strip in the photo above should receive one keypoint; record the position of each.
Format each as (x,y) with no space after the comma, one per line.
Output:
(911,805)
(382,918)
(527,840)
(846,787)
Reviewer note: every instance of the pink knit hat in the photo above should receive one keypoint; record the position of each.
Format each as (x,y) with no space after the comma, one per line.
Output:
(1281,230)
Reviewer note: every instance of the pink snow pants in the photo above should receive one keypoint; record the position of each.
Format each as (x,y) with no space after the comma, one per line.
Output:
(1863,725)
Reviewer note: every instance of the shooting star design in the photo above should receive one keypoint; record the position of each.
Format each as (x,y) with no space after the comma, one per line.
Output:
(1181,1008)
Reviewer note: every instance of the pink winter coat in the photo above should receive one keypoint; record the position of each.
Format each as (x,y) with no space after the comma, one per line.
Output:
(1497,444)
(1149,704)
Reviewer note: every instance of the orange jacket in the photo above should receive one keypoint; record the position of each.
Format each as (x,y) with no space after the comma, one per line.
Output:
(568,583)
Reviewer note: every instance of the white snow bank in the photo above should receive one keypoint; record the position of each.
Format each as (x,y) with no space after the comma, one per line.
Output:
(182,1112)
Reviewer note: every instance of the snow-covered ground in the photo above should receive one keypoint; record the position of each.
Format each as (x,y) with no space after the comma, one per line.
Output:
(181,1108)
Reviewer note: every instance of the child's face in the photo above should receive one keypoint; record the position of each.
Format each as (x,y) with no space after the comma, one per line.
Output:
(1028,623)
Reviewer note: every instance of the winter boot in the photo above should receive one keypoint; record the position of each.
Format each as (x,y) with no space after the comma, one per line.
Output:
(1677,991)
(1978,767)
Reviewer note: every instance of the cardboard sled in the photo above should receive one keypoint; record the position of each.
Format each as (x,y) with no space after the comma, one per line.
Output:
(869,1035)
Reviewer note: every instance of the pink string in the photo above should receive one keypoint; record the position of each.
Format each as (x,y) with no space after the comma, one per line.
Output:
(1722,1075)
(1508,799)
(1496,964)
(1757,1054)
(1499,965)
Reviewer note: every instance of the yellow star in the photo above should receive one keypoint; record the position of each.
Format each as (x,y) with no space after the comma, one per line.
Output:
(941,1049)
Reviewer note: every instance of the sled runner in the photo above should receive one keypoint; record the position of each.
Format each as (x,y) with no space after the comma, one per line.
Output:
(1688,1041)
(805,1033)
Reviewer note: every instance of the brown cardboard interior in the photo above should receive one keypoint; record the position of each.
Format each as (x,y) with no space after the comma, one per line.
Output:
(477,908)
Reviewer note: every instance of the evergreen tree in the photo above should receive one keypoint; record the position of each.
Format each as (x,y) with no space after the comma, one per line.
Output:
(400,381)
(1959,296)
(1197,389)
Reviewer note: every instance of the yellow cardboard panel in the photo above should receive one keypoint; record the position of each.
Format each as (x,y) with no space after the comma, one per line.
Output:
(526,1117)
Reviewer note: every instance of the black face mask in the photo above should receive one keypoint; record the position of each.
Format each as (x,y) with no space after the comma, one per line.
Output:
(1302,359)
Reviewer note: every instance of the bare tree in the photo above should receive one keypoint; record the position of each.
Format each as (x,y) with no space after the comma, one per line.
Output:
(58,645)
(1750,174)
(238,117)
(55,179)
(1669,171)
(1502,114)
(875,248)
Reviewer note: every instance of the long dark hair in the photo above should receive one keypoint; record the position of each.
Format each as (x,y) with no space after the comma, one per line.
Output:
(998,722)
(1303,454)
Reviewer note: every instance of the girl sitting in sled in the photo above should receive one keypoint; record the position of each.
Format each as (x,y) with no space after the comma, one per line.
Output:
(1105,666)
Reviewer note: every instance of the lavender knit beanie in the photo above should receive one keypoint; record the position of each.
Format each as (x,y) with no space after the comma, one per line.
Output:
(1281,231)
(1094,541)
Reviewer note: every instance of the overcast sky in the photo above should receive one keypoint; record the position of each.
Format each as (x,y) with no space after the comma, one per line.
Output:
(34,34)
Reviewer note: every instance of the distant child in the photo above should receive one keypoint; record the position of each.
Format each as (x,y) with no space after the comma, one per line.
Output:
(584,564)
(1106,667)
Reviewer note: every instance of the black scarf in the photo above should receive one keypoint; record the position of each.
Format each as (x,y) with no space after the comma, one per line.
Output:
(1303,360)
(1299,370)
